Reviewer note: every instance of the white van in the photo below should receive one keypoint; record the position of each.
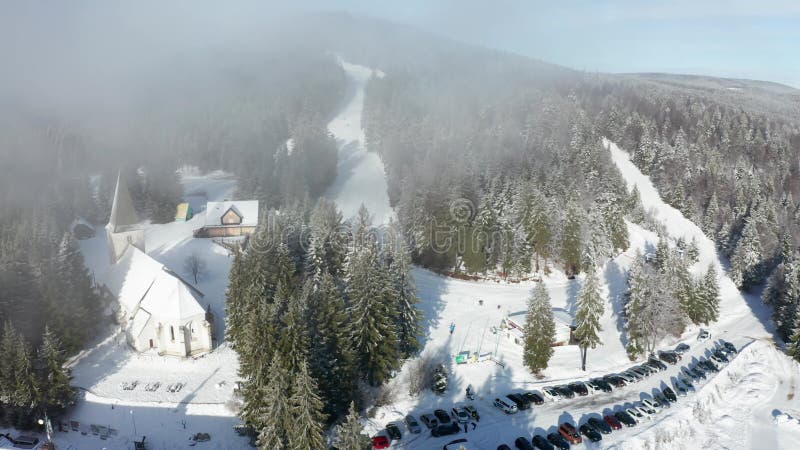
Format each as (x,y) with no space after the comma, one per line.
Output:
(507,406)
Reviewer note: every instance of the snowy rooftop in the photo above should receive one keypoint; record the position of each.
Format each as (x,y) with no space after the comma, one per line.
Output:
(246,209)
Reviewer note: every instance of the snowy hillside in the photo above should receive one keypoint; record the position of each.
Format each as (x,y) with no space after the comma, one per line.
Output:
(360,176)
(761,376)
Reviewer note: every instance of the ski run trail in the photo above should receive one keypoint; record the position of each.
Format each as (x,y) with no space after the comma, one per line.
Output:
(751,404)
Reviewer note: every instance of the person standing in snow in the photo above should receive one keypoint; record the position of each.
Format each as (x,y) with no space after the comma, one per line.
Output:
(452,327)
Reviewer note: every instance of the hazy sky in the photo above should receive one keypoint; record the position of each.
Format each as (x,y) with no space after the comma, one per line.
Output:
(757,39)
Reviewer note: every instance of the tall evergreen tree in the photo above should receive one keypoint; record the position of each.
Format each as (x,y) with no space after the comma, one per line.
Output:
(571,240)
(351,433)
(747,261)
(793,345)
(710,296)
(539,332)
(587,317)
(273,419)
(403,291)
(305,407)
(56,392)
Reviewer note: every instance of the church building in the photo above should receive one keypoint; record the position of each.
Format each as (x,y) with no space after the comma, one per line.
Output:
(157,308)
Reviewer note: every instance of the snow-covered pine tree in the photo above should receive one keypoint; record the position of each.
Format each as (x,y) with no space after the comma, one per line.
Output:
(539,332)
(793,344)
(350,433)
(26,389)
(747,261)
(571,239)
(686,292)
(693,251)
(331,357)
(293,334)
(634,298)
(305,406)
(327,243)
(372,324)
(56,392)
(540,234)
(709,295)
(597,246)
(273,418)
(405,296)
(8,354)
(587,317)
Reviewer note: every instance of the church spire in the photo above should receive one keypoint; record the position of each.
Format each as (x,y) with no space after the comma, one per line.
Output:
(123,216)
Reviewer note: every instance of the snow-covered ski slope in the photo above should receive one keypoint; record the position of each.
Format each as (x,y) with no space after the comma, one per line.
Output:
(360,177)
(751,397)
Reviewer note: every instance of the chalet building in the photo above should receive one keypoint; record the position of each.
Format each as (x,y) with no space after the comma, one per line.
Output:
(513,326)
(157,308)
(229,218)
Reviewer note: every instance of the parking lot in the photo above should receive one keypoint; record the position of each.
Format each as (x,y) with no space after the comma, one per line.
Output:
(496,427)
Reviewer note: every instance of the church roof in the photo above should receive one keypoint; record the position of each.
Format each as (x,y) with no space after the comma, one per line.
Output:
(140,282)
(246,209)
(123,215)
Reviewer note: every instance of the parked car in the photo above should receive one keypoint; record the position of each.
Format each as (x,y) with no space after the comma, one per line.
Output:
(520,401)
(460,415)
(443,417)
(698,372)
(612,422)
(644,411)
(380,441)
(590,433)
(658,396)
(503,447)
(507,406)
(394,431)
(704,335)
(445,430)
(567,430)
(641,371)
(669,394)
(472,411)
(429,420)
(730,347)
(721,356)
(653,366)
(565,391)
(687,383)
(579,388)
(412,424)
(652,404)
(648,410)
(558,441)
(626,378)
(682,348)
(668,357)
(625,418)
(551,393)
(679,388)
(635,414)
(532,397)
(686,372)
(615,381)
(656,362)
(632,375)
(599,425)
(709,365)
(541,443)
(523,443)
(601,385)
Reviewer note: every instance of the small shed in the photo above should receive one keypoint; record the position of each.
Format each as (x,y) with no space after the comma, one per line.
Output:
(184,212)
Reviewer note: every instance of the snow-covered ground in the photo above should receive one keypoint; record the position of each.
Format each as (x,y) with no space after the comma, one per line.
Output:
(168,419)
(360,177)
(752,397)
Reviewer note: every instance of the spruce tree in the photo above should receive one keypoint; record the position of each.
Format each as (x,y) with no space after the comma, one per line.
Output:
(371,322)
(793,345)
(571,240)
(56,392)
(539,332)
(710,296)
(746,264)
(350,432)
(293,341)
(587,317)
(274,422)
(305,407)
(403,291)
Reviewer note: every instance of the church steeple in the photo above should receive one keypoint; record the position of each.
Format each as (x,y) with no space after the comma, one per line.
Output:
(123,228)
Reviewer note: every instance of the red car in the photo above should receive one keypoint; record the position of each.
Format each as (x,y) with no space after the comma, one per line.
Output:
(380,441)
(613,422)
(568,431)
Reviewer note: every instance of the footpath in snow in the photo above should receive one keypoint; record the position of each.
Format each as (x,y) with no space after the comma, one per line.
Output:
(360,174)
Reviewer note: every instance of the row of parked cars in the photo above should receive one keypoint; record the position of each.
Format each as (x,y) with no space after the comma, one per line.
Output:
(594,428)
